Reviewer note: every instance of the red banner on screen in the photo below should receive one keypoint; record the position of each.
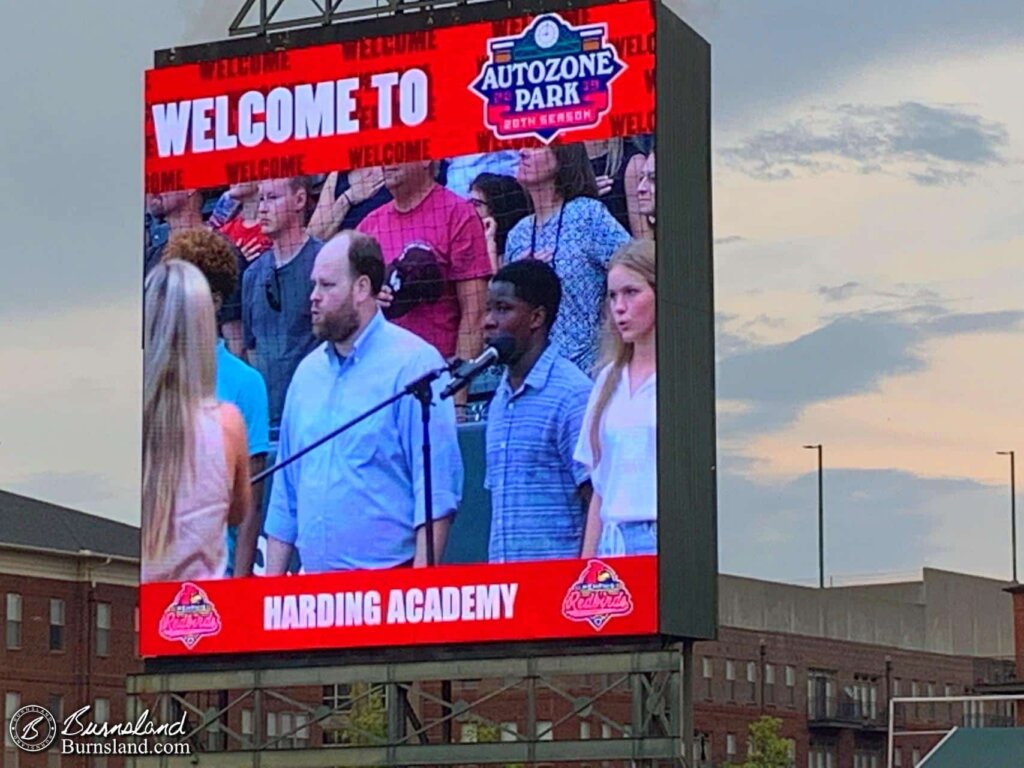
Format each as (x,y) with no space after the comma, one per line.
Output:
(400,98)
(561,599)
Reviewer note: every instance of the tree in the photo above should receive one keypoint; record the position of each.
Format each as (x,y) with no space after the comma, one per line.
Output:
(767,748)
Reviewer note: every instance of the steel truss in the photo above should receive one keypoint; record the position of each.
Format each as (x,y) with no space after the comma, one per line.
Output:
(259,17)
(635,699)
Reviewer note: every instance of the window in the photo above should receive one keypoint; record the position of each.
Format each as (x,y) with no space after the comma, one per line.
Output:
(864,696)
(247,727)
(606,731)
(821,695)
(707,673)
(730,679)
(769,683)
(751,672)
(915,757)
(12,703)
(56,625)
(13,620)
(895,687)
(102,629)
(287,730)
(287,724)
(948,690)
(702,749)
(821,757)
(55,703)
(341,697)
(100,714)
(510,731)
(469,734)
(730,745)
(931,704)
(865,759)
(545,731)
(897,757)
(584,729)
(790,685)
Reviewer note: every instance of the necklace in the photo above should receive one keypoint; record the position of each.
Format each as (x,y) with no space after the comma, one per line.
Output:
(558,235)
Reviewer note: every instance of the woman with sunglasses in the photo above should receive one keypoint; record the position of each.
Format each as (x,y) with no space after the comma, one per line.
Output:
(574,232)
(195,455)
(500,203)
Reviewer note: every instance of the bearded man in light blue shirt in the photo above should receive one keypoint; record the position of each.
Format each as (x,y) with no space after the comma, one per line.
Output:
(359,500)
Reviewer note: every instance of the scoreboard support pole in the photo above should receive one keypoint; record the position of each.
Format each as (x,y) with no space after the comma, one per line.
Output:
(623,708)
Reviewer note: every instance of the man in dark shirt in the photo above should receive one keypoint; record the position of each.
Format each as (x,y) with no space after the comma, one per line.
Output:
(170,213)
(275,290)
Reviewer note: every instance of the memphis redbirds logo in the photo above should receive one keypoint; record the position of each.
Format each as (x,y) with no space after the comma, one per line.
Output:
(597,596)
(190,617)
(552,78)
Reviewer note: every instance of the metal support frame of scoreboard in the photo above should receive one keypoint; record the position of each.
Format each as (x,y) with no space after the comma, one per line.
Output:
(635,698)
(261,17)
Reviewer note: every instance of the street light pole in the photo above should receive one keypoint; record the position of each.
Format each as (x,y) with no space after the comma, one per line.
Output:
(1013,508)
(821,516)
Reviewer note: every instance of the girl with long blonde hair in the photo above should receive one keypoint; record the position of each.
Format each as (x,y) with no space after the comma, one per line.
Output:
(195,462)
(618,439)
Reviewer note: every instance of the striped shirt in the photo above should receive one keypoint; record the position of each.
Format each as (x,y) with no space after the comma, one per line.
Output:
(536,509)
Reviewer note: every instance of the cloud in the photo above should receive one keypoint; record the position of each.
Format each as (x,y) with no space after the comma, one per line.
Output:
(728,239)
(850,354)
(839,292)
(927,144)
(75,489)
(904,294)
(876,521)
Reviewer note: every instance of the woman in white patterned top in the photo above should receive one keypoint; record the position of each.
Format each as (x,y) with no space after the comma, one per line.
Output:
(575,233)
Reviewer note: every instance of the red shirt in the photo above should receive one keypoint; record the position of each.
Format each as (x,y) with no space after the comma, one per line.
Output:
(450,226)
(240,233)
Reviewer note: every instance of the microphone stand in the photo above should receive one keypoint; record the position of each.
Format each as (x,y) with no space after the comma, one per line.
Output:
(421,390)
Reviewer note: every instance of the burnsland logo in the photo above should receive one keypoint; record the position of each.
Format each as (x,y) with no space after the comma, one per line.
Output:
(552,78)
(597,596)
(190,617)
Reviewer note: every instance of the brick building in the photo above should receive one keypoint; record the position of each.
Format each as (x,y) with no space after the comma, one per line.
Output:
(68,586)
(824,661)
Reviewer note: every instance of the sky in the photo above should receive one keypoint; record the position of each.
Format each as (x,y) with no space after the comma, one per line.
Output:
(869,245)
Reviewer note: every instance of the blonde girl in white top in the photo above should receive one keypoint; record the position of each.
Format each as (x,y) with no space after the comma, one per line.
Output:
(618,439)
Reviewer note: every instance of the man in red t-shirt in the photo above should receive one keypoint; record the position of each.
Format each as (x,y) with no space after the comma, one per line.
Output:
(436,256)
(243,227)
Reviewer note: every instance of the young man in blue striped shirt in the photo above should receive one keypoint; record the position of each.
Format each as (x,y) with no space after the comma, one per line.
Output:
(539,494)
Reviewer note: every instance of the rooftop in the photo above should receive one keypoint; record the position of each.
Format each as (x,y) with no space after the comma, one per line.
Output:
(34,524)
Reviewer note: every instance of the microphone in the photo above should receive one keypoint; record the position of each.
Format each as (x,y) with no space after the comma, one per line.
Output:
(498,351)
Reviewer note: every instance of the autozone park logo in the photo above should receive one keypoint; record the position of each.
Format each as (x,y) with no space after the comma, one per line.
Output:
(554,77)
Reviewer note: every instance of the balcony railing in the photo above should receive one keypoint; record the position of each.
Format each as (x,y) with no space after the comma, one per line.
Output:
(842,709)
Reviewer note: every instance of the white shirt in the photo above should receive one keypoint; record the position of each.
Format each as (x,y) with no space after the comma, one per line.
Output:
(626,477)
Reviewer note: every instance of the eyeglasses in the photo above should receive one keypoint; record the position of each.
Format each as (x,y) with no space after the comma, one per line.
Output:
(273,291)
